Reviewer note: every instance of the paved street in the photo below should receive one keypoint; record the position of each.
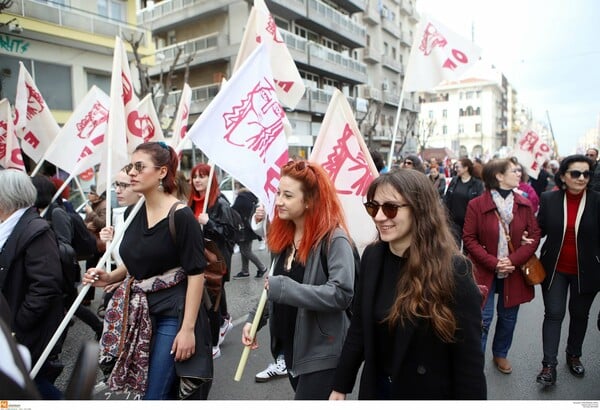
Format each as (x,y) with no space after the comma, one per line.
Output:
(525,355)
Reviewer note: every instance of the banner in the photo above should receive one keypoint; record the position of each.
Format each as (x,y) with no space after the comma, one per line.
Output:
(34,124)
(437,54)
(143,121)
(261,29)
(241,130)
(182,116)
(10,150)
(532,152)
(79,144)
(341,150)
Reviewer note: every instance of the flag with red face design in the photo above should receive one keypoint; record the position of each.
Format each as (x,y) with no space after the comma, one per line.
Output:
(10,150)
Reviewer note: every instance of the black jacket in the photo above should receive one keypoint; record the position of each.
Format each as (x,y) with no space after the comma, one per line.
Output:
(34,282)
(245,204)
(424,366)
(458,209)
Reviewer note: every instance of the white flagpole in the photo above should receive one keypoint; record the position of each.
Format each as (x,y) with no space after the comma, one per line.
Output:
(395,130)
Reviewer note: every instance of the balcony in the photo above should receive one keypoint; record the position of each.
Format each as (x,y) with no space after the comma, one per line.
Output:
(76,19)
(171,13)
(288,9)
(406,39)
(392,64)
(369,92)
(297,45)
(410,105)
(333,24)
(407,8)
(319,100)
(353,6)
(371,55)
(391,97)
(201,97)
(371,15)
(331,62)
(392,27)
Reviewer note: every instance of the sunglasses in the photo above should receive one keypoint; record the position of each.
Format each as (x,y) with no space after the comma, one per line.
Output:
(389,210)
(122,185)
(138,166)
(577,174)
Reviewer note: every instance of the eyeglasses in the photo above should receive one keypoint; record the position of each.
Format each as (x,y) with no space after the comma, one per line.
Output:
(576,174)
(517,170)
(408,162)
(138,166)
(591,155)
(389,210)
(122,185)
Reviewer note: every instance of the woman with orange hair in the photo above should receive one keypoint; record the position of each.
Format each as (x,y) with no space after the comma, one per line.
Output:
(307,301)
(217,223)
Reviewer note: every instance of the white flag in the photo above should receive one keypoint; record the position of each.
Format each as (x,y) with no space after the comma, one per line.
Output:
(144,122)
(80,142)
(182,116)
(437,54)
(241,130)
(116,154)
(10,150)
(532,152)
(261,29)
(341,150)
(34,123)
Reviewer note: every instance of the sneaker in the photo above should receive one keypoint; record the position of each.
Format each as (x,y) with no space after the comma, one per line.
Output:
(260,273)
(274,370)
(225,328)
(262,246)
(216,351)
(241,275)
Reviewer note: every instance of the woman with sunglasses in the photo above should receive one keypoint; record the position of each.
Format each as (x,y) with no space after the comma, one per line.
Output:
(417,317)
(307,301)
(497,255)
(570,219)
(154,324)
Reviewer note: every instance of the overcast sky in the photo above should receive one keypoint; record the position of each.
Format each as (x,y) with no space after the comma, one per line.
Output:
(548,49)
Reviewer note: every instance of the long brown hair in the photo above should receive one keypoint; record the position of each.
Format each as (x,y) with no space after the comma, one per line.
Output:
(425,288)
(323,215)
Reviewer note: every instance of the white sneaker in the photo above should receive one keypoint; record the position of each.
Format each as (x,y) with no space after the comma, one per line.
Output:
(274,370)
(225,328)
(216,351)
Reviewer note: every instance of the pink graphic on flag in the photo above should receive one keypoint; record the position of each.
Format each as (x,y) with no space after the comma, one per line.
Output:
(34,123)
(10,151)
(341,150)
(182,116)
(532,152)
(241,130)
(143,121)
(79,143)
(261,29)
(437,55)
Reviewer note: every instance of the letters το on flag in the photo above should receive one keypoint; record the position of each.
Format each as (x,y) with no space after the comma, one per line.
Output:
(261,29)
(437,54)
(10,150)
(341,150)
(182,116)
(80,142)
(241,130)
(532,152)
(34,124)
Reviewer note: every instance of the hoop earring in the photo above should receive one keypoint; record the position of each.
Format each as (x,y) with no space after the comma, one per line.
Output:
(161,188)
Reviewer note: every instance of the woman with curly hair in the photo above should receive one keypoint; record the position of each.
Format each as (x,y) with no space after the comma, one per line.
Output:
(312,283)
(416,328)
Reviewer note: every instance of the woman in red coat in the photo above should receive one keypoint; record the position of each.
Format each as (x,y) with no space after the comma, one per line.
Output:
(496,266)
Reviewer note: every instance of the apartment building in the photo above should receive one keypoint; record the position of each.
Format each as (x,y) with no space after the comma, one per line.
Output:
(328,39)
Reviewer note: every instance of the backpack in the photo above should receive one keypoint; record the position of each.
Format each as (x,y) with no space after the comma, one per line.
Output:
(356,270)
(239,233)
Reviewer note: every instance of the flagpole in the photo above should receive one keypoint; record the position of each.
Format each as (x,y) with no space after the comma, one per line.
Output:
(395,131)
(57,334)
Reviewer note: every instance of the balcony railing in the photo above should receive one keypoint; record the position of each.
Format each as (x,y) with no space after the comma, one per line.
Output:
(392,64)
(165,7)
(193,46)
(392,27)
(297,45)
(201,93)
(334,20)
(76,19)
(337,61)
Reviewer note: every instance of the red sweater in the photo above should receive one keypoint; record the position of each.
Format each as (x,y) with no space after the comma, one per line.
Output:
(567,259)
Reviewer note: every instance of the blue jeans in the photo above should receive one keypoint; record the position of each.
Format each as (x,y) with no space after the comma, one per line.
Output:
(161,371)
(555,305)
(505,323)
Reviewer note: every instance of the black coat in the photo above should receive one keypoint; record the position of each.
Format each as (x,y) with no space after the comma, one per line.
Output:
(34,282)
(424,366)
(245,204)
(551,219)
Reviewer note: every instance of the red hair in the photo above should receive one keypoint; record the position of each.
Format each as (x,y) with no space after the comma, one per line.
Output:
(324,211)
(195,196)
(66,193)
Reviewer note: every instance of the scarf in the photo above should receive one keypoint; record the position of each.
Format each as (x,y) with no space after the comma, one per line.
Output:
(125,342)
(198,202)
(505,209)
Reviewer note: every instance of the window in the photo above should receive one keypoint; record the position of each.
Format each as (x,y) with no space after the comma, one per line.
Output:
(430,114)
(445,130)
(469,95)
(445,113)
(100,80)
(113,9)
(477,111)
(461,129)
(9,74)
(477,127)
(54,83)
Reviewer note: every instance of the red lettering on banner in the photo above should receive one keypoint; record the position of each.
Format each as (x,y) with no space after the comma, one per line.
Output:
(432,38)
(184,118)
(31,139)
(92,128)
(528,141)
(141,126)
(459,56)
(273,175)
(127,88)
(342,159)
(17,157)
(3,138)
(35,102)
(285,85)
(272,30)
(259,115)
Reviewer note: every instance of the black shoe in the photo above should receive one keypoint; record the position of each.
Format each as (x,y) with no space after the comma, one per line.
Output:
(547,376)
(575,366)
(260,273)
(241,275)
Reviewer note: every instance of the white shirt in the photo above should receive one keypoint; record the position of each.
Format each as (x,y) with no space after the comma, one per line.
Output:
(7,227)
